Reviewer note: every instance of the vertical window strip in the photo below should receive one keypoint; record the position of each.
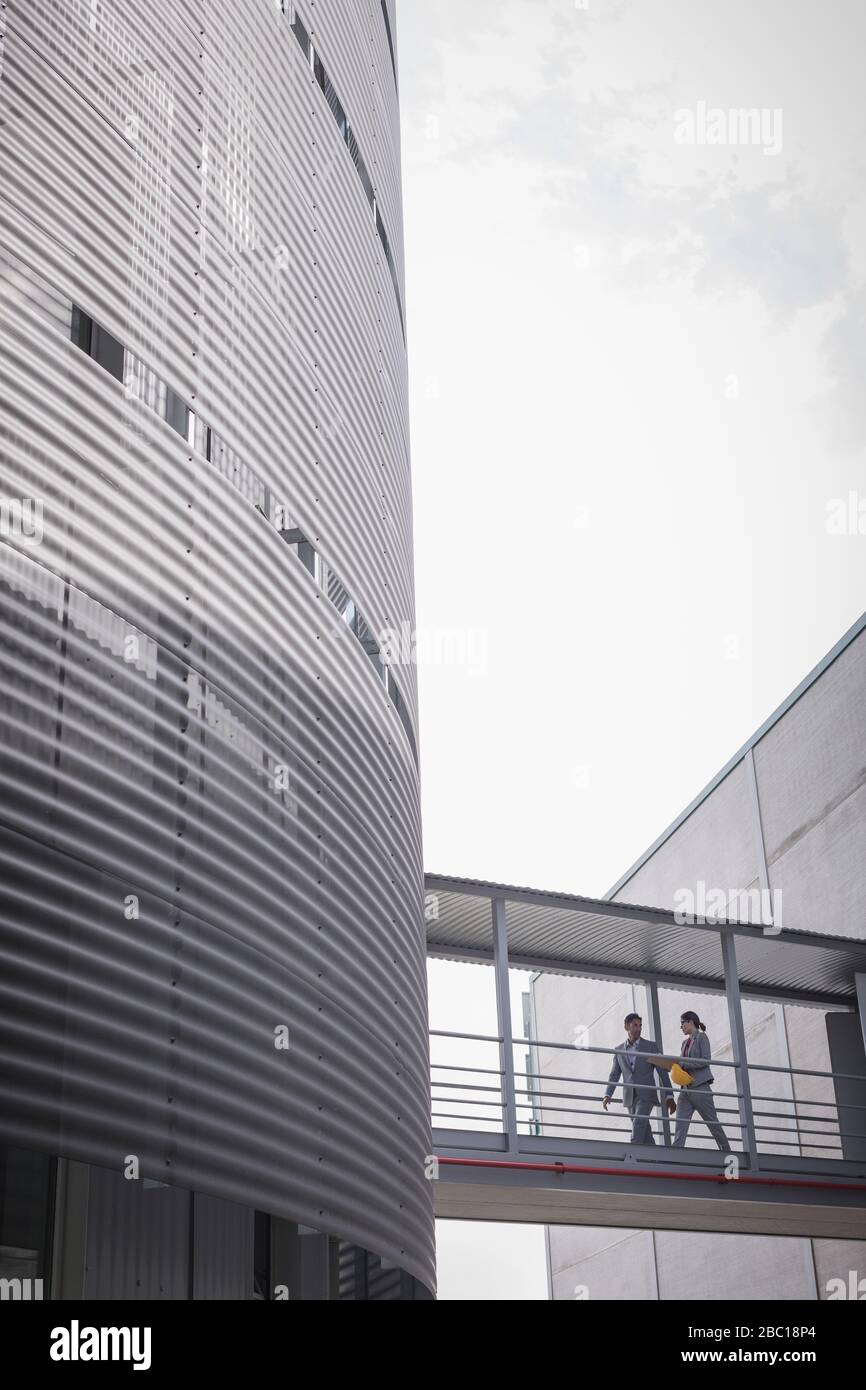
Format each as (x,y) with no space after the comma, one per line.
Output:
(339,113)
(387,19)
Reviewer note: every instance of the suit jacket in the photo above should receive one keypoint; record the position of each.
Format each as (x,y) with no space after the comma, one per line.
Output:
(700,1074)
(636,1072)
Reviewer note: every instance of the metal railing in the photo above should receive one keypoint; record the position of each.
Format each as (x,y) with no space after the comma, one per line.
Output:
(560,1102)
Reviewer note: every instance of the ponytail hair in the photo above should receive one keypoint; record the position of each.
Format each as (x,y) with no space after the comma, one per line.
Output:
(693,1018)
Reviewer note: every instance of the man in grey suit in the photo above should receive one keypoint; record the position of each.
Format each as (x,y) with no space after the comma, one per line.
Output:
(639,1096)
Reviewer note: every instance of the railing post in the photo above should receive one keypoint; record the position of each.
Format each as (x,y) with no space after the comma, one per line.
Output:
(503,1025)
(738,1047)
(655,1023)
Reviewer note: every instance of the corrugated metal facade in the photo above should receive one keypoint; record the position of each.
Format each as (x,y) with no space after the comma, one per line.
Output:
(210,823)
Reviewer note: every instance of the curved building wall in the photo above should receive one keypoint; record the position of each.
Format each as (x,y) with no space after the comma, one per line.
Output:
(210,823)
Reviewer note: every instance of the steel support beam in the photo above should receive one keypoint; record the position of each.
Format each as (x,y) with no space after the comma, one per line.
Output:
(503,1022)
(655,1023)
(738,1048)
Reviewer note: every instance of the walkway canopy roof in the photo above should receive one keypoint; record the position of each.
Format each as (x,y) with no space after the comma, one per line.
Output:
(563,934)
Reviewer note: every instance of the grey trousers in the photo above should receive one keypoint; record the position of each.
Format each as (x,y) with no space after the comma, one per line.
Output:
(641,1129)
(700,1099)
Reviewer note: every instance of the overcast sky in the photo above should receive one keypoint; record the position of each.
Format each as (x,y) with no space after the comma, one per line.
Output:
(637,378)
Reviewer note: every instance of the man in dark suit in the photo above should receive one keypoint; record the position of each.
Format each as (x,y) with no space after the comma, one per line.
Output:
(639,1096)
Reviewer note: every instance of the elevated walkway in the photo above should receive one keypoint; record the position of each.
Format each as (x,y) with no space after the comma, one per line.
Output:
(531,1143)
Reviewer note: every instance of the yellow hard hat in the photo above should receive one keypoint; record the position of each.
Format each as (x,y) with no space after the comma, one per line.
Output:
(680,1077)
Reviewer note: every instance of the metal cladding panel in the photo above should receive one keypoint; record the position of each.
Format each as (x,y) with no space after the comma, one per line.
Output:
(210,820)
(137,1240)
(193,234)
(223,1251)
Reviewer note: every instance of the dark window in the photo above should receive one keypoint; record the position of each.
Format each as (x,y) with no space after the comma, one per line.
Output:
(389,257)
(350,616)
(383,236)
(26,1198)
(97,342)
(336,107)
(307,556)
(371,647)
(365,178)
(262,1256)
(301,35)
(403,713)
(176,412)
(82,329)
(294,536)
(342,602)
(319,71)
(107,351)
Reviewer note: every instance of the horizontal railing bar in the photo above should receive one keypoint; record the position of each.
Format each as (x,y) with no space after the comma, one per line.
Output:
(449,1066)
(779,1143)
(792,1120)
(786,1100)
(608,1051)
(611,1051)
(576,1110)
(622,1134)
(479,1119)
(542,1096)
(467,1037)
(822,1133)
(470,1100)
(803,1071)
(617,1085)
(648,1086)
(465,1086)
(720,1110)
(592,1080)
(706,1061)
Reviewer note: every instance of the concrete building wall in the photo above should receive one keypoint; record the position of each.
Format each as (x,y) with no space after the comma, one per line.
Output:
(811,772)
(788,814)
